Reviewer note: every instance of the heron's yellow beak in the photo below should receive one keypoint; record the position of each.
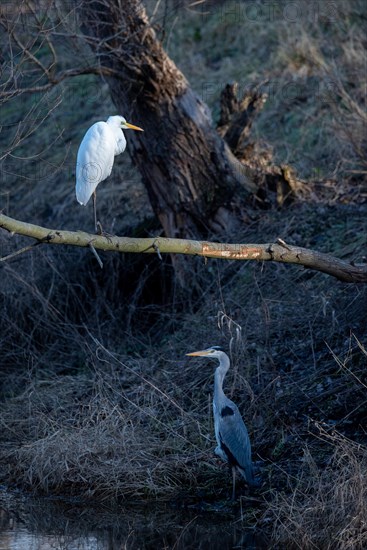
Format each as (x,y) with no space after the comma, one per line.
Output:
(198,353)
(132,127)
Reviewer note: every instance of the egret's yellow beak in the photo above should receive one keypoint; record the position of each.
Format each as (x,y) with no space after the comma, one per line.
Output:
(132,127)
(198,353)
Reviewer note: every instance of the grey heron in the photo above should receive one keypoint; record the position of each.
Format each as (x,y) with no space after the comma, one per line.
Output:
(231,433)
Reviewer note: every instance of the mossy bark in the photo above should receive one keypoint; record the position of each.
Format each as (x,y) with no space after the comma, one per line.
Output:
(275,252)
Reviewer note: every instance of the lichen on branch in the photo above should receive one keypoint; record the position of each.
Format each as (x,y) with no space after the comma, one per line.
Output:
(276,252)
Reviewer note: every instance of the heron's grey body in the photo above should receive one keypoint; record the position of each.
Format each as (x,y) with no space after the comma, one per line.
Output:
(233,442)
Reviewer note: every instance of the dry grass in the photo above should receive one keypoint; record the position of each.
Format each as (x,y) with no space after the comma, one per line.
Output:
(326,507)
(308,58)
(98,399)
(324,504)
(110,434)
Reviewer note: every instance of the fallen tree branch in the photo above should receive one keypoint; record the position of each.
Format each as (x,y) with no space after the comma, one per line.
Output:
(276,252)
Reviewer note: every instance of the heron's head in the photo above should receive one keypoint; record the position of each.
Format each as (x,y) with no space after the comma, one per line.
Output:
(213,351)
(120,122)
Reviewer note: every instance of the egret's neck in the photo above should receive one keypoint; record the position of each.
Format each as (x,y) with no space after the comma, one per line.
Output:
(220,373)
(120,141)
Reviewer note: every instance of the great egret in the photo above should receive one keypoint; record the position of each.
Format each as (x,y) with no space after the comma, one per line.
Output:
(231,433)
(101,143)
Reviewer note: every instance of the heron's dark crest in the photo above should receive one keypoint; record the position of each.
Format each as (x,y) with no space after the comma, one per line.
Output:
(216,348)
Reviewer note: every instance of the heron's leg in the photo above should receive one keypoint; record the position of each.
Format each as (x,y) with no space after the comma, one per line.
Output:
(233,482)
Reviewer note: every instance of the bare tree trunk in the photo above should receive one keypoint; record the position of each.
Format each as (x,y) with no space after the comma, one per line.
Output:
(188,169)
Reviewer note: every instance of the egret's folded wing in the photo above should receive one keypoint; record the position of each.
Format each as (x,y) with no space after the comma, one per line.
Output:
(94,161)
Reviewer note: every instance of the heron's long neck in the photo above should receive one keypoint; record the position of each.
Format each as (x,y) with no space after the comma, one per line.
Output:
(220,373)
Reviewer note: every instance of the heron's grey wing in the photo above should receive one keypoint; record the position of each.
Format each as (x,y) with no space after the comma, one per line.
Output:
(94,160)
(234,439)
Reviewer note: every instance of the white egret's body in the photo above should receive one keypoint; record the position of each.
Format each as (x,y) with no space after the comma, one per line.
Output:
(96,154)
(233,442)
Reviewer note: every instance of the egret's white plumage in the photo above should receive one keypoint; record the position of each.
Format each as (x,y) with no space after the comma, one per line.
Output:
(101,143)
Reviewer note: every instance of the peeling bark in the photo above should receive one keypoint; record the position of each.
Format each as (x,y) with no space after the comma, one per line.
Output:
(276,252)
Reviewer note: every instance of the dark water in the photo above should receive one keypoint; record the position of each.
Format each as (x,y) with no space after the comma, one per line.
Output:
(42,524)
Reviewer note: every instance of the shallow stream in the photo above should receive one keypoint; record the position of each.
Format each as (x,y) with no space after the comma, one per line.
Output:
(43,524)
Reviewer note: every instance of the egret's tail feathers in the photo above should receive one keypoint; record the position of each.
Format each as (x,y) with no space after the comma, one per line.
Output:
(82,198)
(83,193)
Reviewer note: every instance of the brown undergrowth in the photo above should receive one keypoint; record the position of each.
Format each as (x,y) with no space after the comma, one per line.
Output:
(97,397)
(107,406)
(99,401)
(324,507)
(324,504)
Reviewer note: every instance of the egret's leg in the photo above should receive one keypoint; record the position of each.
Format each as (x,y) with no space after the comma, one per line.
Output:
(97,224)
(95,210)
(233,483)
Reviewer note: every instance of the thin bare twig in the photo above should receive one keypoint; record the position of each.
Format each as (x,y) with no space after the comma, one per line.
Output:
(18,252)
